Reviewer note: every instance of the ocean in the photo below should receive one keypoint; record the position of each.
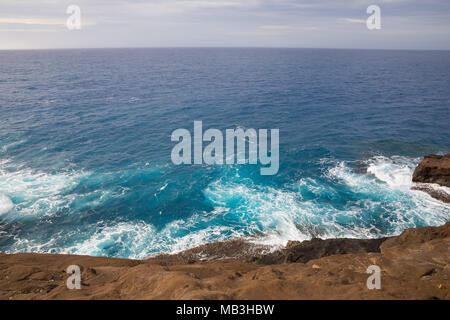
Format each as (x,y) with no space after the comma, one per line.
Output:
(85,146)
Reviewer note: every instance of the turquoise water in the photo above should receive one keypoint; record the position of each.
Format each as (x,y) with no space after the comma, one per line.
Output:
(85,146)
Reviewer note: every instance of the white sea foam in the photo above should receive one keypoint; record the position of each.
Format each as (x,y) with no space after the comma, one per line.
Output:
(277,216)
(388,186)
(138,240)
(266,210)
(395,171)
(126,239)
(6,204)
(11,145)
(37,192)
(261,214)
(164,186)
(43,193)
(435,187)
(383,195)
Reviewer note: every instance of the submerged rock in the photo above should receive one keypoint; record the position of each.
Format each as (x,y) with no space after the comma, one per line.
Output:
(434,192)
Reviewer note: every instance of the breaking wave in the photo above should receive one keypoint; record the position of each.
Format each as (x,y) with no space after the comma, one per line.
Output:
(341,203)
(34,192)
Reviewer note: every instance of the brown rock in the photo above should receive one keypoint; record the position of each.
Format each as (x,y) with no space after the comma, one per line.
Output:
(414,266)
(416,236)
(230,249)
(318,248)
(433,169)
(292,243)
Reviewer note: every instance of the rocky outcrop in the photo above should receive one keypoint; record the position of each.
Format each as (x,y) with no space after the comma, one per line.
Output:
(230,249)
(416,236)
(433,169)
(318,248)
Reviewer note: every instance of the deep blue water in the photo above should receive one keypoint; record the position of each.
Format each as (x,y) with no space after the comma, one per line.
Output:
(85,146)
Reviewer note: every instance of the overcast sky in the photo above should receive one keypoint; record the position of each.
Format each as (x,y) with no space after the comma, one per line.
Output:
(405,24)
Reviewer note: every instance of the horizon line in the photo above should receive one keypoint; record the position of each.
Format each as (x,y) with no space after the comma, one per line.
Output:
(216,47)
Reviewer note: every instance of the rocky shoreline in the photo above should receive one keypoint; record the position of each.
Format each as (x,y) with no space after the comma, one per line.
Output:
(414,265)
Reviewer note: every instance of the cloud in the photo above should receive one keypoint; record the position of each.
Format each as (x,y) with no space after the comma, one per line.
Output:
(33,21)
(39,22)
(286,27)
(299,23)
(353,20)
(28,30)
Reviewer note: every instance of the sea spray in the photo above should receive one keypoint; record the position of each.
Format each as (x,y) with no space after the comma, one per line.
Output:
(6,204)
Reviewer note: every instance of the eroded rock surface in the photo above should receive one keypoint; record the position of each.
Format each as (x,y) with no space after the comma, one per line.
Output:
(433,169)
